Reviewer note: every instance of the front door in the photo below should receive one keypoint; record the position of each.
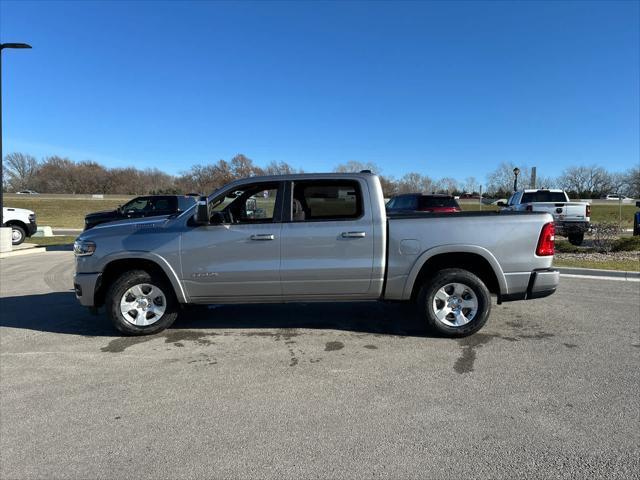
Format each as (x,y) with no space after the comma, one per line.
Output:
(239,257)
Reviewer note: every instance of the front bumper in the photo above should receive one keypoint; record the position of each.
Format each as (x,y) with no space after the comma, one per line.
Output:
(32,228)
(542,283)
(85,286)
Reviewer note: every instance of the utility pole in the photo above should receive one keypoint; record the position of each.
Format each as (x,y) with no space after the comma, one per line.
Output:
(5,232)
(533,177)
(2,47)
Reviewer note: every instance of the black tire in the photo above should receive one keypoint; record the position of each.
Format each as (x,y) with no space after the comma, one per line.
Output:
(125,282)
(576,238)
(17,235)
(472,284)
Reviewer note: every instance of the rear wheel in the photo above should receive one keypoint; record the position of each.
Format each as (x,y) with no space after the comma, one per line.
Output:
(140,303)
(17,235)
(454,302)
(576,238)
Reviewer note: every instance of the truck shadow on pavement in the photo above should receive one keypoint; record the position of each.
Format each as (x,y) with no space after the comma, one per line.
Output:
(59,312)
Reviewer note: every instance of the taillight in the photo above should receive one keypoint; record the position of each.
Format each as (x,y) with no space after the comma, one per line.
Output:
(546,242)
(588,210)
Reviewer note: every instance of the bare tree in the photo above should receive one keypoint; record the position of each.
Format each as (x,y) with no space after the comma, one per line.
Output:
(448,185)
(353,166)
(21,170)
(242,167)
(471,185)
(279,168)
(500,181)
(632,182)
(586,181)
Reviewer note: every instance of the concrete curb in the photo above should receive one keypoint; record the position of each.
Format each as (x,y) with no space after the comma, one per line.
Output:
(593,272)
(24,251)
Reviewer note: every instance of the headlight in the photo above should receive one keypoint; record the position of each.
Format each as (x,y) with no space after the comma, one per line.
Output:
(82,248)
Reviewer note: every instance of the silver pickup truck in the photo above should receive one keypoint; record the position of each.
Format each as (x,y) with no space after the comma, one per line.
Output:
(313,237)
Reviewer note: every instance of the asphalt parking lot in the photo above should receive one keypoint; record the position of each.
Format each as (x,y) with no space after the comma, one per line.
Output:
(549,388)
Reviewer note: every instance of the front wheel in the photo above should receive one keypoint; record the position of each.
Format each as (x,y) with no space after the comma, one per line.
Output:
(17,235)
(454,302)
(576,238)
(140,303)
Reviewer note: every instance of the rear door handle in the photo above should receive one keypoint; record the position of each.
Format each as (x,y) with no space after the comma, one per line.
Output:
(354,234)
(264,236)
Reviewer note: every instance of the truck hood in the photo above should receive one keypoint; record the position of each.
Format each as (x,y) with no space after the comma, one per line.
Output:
(125,226)
(16,211)
(101,214)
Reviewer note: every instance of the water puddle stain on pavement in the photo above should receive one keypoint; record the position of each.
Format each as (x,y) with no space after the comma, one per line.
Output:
(371,347)
(118,345)
(333,346)
(177,338)
(180,336)
(570,345)
(465,363)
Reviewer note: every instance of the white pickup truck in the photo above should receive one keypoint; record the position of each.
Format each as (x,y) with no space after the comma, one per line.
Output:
(21,221)
(571,218)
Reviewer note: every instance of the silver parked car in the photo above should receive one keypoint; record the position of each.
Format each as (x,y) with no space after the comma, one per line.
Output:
(313,237)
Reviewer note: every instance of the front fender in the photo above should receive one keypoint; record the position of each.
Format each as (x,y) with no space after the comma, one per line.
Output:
(444,249)
(153,257)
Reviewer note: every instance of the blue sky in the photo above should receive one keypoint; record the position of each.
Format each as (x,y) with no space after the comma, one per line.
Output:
(442,88)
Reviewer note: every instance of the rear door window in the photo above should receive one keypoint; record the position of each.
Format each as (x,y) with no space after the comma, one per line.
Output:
(318,200)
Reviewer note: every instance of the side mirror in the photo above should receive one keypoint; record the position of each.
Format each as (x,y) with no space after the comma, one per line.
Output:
(201,216)
(501,204)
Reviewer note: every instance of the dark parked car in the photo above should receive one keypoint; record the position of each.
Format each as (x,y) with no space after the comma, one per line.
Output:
(147,206)
(418,202)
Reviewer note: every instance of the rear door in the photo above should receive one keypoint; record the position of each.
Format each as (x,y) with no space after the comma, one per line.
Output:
(327,240)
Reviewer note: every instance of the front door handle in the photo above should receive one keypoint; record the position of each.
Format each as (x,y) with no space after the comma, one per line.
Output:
(354,234)
(264,236)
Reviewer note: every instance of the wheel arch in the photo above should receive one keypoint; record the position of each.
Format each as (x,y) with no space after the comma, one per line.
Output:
(17,223)
(116,265)
(477,260)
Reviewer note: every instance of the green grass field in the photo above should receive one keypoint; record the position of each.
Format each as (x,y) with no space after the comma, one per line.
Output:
(52,241)
(628,265)
(599,213)
(70,212)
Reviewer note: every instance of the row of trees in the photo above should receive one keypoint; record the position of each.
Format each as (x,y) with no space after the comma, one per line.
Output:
(62,175)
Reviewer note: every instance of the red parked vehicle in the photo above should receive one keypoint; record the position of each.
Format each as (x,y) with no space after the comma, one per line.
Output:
(419,202)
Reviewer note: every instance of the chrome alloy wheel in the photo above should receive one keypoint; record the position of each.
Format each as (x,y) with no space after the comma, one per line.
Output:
(143,304)
(455,304)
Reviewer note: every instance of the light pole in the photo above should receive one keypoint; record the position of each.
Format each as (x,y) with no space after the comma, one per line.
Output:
(2,47)
(516,172)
